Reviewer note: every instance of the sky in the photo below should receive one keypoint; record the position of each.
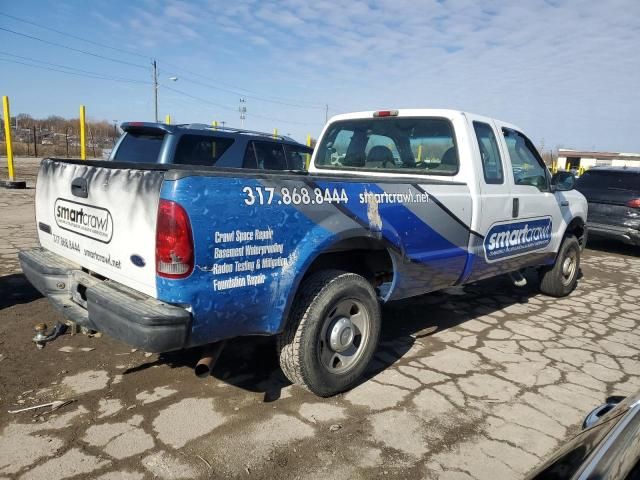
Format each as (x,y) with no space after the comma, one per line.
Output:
(566,72)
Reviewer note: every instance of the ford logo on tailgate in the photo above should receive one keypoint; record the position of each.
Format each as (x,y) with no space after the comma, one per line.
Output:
(511,239)
(137,260)
(86,220)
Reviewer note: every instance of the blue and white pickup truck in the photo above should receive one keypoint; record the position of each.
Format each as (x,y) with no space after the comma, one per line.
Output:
(396,204)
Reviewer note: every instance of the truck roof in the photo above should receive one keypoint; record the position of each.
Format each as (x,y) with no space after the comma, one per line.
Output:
(128,126)
(416,112)
(615,168)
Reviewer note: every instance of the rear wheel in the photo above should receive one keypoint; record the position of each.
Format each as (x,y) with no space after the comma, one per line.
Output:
(332,332)
(560,279)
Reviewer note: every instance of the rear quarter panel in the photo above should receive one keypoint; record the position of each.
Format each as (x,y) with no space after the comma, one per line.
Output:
(250,256)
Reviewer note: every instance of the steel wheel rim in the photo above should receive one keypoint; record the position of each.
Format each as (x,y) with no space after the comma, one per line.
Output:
(569,267)
(344,335)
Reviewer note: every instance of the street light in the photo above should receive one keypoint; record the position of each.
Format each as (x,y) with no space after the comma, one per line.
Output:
(156,85)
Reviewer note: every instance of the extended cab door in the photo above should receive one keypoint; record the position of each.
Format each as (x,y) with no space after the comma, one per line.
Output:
(494,198)
(519,219)
(538,223)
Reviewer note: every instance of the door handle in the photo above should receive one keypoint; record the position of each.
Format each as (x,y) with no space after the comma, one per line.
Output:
(79,187)
(515,211)
(564,203)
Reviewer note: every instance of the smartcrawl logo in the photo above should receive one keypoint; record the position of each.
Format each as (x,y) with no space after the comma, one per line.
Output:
(86,220)
(511,239)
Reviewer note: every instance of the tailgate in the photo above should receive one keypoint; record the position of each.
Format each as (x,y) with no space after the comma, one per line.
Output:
(607,213)
(101,218)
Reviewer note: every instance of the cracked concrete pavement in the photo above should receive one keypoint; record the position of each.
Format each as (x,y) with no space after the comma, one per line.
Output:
(476,383)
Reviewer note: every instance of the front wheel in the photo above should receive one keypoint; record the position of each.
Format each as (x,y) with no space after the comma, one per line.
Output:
(560,279)
(332,332)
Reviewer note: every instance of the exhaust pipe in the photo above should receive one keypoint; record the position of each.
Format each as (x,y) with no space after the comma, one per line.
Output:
(518,279)
(211,354)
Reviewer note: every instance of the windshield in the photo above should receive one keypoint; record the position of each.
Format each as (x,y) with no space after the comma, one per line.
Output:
(403,144)
(139,147)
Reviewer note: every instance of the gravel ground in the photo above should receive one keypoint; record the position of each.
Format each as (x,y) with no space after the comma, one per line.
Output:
(480,382)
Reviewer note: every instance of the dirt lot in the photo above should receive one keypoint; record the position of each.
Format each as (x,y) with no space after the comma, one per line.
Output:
(476,383)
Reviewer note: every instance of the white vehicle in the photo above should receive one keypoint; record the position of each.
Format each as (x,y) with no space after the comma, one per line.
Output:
(396,203)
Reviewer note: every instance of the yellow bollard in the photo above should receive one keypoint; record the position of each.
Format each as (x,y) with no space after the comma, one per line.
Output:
(7,136)
(419,154)
(308,160)
(83,135)
(167,119)
(214,124)
(275,133)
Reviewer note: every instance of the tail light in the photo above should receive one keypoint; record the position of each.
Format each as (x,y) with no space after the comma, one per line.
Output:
(385,113)
(635,203)
(174,244)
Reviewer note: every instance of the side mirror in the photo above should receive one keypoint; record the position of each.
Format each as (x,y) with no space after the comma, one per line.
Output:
(563,181)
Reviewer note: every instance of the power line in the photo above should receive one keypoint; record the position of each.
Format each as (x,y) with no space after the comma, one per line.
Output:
(245,92)
(93,74)
(253,97)
(117,49)
(225,107)
(73,49)
(95,77)
(231,88)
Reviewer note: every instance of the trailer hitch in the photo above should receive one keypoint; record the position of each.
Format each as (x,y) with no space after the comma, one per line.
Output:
(41,337)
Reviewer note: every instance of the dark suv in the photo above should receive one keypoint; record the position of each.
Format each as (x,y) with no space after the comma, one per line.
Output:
(199,144)
(613,194)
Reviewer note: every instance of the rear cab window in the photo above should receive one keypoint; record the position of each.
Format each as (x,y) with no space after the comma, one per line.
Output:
(139,147)
(396,144)
(202,150)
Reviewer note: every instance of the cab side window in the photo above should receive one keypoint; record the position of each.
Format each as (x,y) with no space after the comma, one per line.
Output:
(270,156)
(201,150)
(528,167)
(249,160)
(297,158)
(489,153)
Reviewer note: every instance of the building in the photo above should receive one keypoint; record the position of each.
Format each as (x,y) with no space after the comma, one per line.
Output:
(580,160)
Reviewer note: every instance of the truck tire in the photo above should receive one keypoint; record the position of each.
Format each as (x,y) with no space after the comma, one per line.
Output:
(560,279)
(332,332)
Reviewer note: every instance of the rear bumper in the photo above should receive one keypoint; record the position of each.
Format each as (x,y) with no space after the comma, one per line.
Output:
(627,235)
(120,312)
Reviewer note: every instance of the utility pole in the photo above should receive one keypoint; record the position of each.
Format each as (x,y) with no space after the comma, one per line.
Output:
(155,88)
(243,111)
